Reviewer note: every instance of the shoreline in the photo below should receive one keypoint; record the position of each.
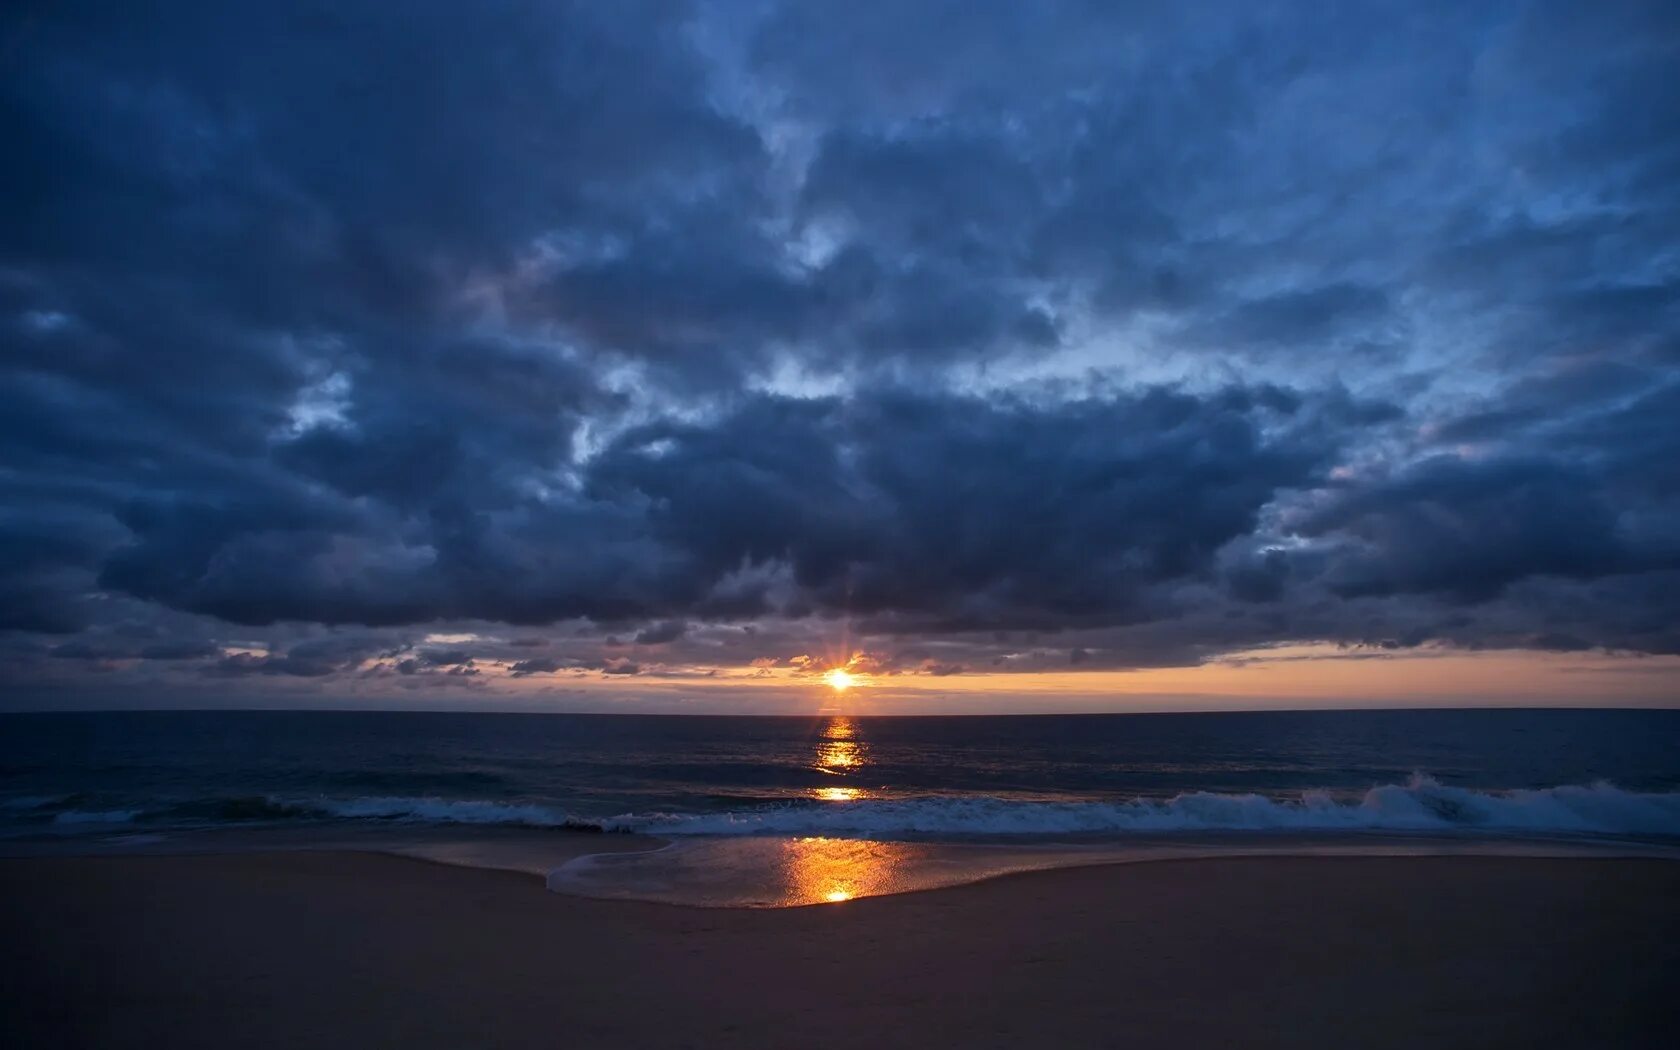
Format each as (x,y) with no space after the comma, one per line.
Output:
(356,949)
(787,871)
(781,871)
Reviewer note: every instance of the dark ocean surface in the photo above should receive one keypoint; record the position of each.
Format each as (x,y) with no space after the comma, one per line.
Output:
(1591,772)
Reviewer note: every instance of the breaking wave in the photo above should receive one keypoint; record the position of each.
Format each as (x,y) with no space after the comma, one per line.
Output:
(448,811)
(250,810)
(106,816)
(27,802)
(1419,805)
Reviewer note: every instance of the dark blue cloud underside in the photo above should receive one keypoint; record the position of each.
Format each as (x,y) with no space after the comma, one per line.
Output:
(1177,331)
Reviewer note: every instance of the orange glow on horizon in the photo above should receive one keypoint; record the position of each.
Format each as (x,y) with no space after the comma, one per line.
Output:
(1306,675)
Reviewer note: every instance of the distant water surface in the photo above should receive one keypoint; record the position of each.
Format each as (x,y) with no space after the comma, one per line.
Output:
(1564,771)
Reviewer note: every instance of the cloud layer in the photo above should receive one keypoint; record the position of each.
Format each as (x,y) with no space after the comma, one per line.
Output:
(653,339)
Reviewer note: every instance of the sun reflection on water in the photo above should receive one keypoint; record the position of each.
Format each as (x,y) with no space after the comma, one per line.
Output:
(840,794)
(839,748)
(836,755)
(839,753)
(817,870)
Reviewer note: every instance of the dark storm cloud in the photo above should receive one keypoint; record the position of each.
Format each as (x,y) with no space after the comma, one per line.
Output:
(959,509)
(315,658)
(967,510)
(536,665)
(1469,528)
(1333,314)
(185,649)
(43,563)
(660,633)
(1150,334)
(444,657)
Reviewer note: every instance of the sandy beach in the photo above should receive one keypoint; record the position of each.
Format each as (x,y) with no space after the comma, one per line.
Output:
(362,950)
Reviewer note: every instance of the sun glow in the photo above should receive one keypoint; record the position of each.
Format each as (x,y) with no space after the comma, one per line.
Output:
(840,679)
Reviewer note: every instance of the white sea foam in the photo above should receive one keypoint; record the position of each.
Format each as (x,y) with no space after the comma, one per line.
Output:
(1419,805)
(442,811)
(108,816)
(137,839)
(33,801)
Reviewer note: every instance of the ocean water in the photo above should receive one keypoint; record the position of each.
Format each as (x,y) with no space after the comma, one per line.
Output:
(755,806)
(1574,770)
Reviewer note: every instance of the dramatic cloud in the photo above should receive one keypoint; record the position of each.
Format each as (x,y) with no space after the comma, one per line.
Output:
(560,341)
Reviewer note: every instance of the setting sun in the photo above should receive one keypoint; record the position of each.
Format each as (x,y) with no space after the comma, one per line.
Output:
(840,679)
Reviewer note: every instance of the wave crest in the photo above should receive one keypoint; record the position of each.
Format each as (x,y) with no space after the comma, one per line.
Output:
(1422,804)
(262,809)
(452,811)
(106,816)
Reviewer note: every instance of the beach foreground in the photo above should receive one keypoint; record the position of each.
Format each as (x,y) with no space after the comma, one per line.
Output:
(360,950)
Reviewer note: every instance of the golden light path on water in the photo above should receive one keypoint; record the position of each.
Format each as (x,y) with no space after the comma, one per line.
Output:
(767,871)
(833,870)
(838,794)
(839,751)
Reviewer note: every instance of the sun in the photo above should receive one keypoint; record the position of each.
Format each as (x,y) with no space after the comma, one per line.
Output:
(839,679)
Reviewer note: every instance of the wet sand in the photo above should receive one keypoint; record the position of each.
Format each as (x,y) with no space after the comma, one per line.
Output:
(362,950)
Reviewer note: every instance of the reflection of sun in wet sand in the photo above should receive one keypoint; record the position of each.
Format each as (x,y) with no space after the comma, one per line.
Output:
(821,870)
(752,872)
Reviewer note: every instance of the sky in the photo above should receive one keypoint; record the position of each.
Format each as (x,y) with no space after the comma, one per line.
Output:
(669,357)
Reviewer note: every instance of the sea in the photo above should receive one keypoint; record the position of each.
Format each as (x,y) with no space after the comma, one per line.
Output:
(825,808)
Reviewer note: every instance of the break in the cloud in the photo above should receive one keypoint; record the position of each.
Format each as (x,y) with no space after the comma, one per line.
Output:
(666,341)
